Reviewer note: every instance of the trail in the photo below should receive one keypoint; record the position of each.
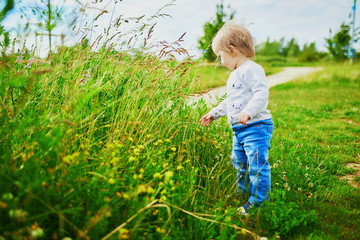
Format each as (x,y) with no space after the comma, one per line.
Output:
(289,73)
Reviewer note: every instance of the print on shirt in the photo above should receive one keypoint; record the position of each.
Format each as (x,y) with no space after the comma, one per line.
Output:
(237,85)
(237,106)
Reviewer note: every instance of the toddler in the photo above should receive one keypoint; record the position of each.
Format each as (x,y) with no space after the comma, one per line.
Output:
(246,109)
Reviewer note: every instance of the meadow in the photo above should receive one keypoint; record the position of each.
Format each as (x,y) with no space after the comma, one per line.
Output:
(102,145)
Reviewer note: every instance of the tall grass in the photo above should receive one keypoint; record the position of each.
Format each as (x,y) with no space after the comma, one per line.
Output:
(101,145)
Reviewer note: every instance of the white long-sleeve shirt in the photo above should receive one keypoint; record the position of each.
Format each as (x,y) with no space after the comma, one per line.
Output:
(247,92)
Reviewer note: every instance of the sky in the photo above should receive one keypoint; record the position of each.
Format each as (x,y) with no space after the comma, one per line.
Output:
(305,20)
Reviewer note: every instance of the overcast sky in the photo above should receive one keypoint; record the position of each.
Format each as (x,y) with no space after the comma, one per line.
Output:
(305,20)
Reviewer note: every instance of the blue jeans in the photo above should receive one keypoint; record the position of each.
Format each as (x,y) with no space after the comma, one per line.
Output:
(249,156)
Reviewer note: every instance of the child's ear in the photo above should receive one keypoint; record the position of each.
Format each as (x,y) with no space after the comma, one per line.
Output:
(232,51)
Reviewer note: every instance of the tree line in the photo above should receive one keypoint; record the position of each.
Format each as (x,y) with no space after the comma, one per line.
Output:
(338,44)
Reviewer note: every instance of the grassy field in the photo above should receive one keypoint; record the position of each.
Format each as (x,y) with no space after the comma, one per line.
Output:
(103,146)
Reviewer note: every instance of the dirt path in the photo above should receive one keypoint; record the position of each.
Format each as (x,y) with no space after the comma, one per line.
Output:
(288,74)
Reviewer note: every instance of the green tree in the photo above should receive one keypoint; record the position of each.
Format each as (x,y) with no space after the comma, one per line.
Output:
(9,4)
(48,15)
(211,28)
(309,53)
(271,48)
(340,43)
(291,49)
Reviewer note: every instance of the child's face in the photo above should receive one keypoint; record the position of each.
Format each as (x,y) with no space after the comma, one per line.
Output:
(228,60)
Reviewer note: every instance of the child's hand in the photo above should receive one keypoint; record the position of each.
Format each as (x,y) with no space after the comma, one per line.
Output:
(206,120)
(243,118)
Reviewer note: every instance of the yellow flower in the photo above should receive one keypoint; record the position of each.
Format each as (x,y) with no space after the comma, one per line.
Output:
(107,199)
(163,192)
(124,233)
(160,230)
(136,151)
(111,181)
(126,196)
(141,188)
(110,146)
(157,175)
(150,190)
(67,159)
(163,198)
(173,149)
(132,159)
(179,167)
(168,175)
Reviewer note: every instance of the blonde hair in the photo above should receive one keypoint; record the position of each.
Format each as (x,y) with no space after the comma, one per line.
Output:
(234,36)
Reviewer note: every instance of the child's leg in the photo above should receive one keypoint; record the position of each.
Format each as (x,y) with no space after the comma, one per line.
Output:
(259,173)
(255,141)
(239,161)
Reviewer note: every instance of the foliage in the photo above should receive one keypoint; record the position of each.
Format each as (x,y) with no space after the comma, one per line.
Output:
(289,50)
(4,44)
(8,5)
(340,43)
(103,145)
(211,28)
(47,16)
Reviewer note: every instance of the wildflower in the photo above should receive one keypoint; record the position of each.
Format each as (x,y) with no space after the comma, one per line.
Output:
(125,196)
(165,165)
(299,189)
(141,170)
(124,233)
(306,175)
(135,176)
(28,65)
(107,199)
(156,211)
(163,192)
(168,175)
(3,204)
(18,214)
(179,167)
(141,189)
(150,190)
(311,184)
(118,194)
(173,149)
(160,230)
(36,231)
(163,198)
(157,175)
(111,181)
(132,159)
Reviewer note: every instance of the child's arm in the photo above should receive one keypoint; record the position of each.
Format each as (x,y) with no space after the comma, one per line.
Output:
(214,114)
(258,85)
(206,120)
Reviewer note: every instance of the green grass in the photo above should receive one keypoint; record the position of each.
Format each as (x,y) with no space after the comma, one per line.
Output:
(96,145)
